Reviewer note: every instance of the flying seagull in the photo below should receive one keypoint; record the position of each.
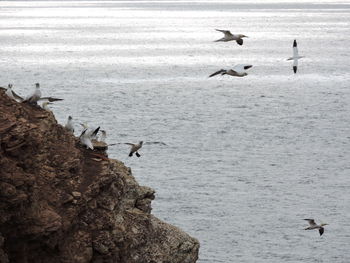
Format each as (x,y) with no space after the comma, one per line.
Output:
(237,71)
(229,37)
(135,148)
(70,124)
(295,56)
(313,225)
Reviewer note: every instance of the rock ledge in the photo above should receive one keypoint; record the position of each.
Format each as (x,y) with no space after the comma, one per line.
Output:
(62,203)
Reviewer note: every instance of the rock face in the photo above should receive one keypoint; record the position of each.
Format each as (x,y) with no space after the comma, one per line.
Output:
(62,203)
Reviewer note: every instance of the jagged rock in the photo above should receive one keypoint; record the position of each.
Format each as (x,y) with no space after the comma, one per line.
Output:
(60,202)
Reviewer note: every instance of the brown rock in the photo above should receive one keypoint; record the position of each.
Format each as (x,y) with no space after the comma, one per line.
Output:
(59,205)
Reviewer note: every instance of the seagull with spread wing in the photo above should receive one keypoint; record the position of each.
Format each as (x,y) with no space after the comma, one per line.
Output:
(237,71)
(295,57)
(135,148)
(229,37)
(35,96)
(313,225)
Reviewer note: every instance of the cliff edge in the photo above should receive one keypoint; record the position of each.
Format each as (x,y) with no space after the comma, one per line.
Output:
(62,203)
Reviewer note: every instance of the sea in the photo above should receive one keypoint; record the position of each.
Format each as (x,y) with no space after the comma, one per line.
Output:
(237,163)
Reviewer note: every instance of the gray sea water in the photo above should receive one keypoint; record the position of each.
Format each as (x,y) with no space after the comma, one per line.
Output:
(246,158)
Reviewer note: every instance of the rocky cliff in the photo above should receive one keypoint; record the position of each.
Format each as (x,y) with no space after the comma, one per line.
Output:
(62,203)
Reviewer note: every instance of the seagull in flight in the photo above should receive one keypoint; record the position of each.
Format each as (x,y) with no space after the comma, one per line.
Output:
(237,71)
(295,56)
(229,37)
(135,148)
(313,225)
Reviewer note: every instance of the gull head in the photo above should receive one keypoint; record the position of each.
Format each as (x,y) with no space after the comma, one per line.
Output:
(37,85)
(141,142)
(70,118)
(9,85)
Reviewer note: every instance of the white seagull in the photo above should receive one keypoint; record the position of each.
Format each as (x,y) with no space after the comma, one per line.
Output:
(237,71)
(295,56)
(11,94)
(85,139)
(45,106)
(70,124)
(135,148)
(313,225)
(229,37)
(90,132)
(35,95)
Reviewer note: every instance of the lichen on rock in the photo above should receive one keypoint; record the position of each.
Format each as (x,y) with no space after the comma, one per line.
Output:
(62,203)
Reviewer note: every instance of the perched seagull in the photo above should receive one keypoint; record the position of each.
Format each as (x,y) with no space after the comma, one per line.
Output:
(45,106)
(70,124)
(103,136)
(229,37)
(85,139)
(35,96)
(237,71)
(135,148)
(11,94)
(313,225)
(295,56)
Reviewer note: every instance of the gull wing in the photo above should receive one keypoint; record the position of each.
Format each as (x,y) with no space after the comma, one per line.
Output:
(241,68)
(131,144)
(17,96)
(321,230)
(159,143)
(311,222)
(94,133)
(217,72)
(50,99)
(239,41)
(295,49)
(226,32)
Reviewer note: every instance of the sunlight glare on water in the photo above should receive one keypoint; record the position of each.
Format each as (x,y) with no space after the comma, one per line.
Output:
(246,159)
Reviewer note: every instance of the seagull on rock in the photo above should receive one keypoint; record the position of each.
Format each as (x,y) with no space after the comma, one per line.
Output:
(237,71)
(35,96)
(135,148)
(45,106)
(13,95)
(70,124)
(229,37)
(85,140)
(313,225)
(295,56)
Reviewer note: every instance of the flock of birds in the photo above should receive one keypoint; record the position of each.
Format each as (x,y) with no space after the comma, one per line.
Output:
(241,69)
(88,135)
